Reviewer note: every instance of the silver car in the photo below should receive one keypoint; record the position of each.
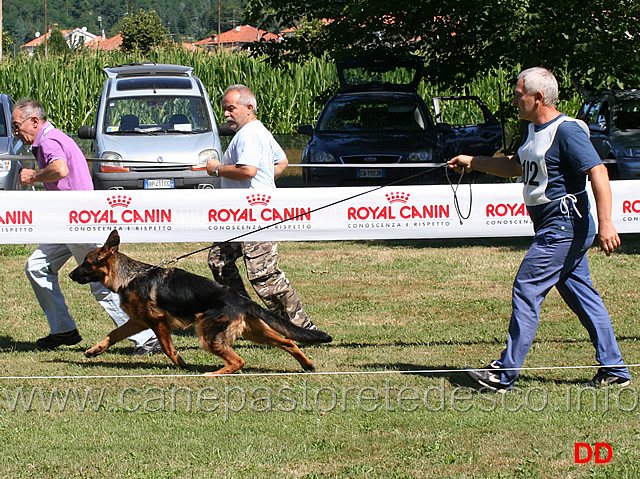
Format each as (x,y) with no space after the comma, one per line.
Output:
(9,145)
(154,128)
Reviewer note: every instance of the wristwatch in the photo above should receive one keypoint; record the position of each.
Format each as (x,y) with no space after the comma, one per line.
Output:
(215,171)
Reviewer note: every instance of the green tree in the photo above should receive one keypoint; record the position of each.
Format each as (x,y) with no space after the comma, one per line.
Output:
(597,42)
(143,32)
(56,44)
(7,43)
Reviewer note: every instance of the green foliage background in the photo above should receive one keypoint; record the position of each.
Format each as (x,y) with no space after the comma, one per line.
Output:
(596,42)
(192,20)
(69,86)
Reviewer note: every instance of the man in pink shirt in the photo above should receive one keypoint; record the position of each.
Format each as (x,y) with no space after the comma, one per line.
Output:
(62,167)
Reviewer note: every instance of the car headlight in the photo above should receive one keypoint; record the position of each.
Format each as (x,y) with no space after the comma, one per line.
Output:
(5,165)
(632,151)
(204,157)
(420,156)
(318,156)
(114,164)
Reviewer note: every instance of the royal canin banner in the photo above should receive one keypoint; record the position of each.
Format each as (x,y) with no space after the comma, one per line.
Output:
(285,214)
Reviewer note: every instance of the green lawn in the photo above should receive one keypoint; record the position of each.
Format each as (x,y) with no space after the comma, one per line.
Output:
(387,401)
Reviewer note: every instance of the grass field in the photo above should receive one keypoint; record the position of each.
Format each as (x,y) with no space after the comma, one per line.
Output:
(396,310)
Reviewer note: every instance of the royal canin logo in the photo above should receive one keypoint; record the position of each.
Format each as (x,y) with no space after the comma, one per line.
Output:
(501,210)
(119,213)
(397,197)
(258,199)
(397,209)
(630,207)
(119,200)
(250,215)
(16,217)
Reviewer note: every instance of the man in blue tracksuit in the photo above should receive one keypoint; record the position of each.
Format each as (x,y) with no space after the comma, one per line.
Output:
(554,161)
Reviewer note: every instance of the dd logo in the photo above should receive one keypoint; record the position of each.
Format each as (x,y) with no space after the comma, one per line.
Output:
(592,452)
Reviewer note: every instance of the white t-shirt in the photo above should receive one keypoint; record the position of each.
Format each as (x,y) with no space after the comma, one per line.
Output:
(253,145)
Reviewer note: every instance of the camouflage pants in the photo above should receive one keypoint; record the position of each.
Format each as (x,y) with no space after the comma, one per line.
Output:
(268,281)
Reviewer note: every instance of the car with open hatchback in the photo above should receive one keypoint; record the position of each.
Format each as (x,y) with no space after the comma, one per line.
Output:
(378,130)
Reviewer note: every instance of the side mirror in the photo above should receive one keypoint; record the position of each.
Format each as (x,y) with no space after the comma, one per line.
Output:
(597,127)
(305,130)
(445,128)
(87,133)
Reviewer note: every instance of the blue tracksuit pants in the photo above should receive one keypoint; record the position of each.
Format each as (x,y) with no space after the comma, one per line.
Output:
(560,261)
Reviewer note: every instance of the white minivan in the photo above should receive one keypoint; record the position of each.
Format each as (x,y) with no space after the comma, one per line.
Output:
(154,129)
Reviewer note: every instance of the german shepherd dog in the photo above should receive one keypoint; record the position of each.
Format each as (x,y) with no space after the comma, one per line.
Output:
(164,299)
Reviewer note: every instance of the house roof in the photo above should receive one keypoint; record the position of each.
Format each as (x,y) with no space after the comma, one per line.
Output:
(100,43)
(246,34)
(206,41)
(75,36)
(40,40)
(238,36)
(115,42)
(189,46)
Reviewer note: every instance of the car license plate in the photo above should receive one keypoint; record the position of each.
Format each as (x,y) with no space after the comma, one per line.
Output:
(158,184)
(370,173)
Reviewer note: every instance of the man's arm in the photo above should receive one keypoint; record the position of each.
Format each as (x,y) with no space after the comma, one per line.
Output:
(279,167)
(54,171)
(232,172)
(607,234)
(504,166)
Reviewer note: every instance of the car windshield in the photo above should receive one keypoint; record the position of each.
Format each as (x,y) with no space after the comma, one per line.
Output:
(155,114)
(628,115)
(372,115)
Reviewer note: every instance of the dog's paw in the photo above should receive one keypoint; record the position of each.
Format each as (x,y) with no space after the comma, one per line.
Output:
(93,352)
(179,362)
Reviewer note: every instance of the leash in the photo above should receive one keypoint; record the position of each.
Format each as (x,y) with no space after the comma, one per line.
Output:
(235,238)
(456,204)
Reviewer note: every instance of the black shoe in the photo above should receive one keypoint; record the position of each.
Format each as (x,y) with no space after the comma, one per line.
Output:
(152,346)
(52,341)
(488,380)
(493,365)
(603,378)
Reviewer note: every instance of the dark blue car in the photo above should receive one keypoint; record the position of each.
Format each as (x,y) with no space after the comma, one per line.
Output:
(614,122)
(378,130)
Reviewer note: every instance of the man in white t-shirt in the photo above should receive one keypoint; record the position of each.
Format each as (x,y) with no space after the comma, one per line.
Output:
(253,160)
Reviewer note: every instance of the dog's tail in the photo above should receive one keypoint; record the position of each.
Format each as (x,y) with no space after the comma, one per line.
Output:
(288,329)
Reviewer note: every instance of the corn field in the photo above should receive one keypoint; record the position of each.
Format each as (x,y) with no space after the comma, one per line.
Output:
(69,86)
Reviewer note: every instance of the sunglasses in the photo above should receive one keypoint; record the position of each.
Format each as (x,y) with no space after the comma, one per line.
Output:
(16,125)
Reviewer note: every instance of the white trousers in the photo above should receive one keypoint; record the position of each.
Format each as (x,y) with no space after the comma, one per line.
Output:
(42,270)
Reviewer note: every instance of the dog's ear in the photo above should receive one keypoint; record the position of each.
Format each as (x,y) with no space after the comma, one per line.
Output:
(113,241)
(110,247)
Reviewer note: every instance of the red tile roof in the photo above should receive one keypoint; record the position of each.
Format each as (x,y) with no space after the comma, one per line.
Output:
(100,43)
(246,34)
(238,36)
(40,40)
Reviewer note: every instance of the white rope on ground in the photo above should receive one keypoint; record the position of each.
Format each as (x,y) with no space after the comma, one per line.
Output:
(317,373)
